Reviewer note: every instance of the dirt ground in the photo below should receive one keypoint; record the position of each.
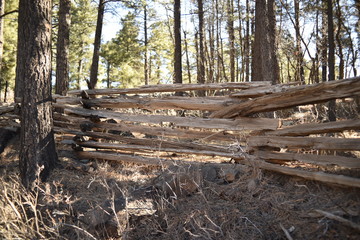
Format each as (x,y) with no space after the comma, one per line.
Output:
(80,200)
(117,200)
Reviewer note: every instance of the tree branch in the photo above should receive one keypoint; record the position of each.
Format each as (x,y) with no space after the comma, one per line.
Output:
(5,14)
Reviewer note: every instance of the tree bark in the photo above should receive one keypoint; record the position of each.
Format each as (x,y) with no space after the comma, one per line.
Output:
(324,46)
(146,60)
(299,72)
(273,64)
(318,47)
(211,59)
(2,10)
(38,154)
(177,37)
(97,42)
(201,70)
(62,48)
(331,57)
(230,28)
(265,65)
(247,43)
(260,35)
(339,41)
(187,58)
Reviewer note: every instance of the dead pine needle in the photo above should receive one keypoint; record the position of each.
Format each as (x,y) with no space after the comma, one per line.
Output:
(80,229)
(287,234)
(339,219)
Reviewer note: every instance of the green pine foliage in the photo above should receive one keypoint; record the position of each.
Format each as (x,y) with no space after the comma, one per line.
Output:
(8,67)
(82,29)
(123,55)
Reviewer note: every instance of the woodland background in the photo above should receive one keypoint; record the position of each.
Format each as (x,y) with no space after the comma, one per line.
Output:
(217,42)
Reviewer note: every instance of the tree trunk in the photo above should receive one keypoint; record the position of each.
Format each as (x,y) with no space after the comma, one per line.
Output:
(357,5)
(6,90)
(240,54)
(38,154)
(108,68)
(201,70)
(230,28)
(177,37)
(260,37)
(324,46)
(318,46)
(247,43)
(211,60)
(146,60)
(95,60)
(331,57)
(62,48)
(218,66)
(273,63)
(2,10)
(187,57)
(339,41)
(79,73)
(299,72)
(210,73)
(265,64)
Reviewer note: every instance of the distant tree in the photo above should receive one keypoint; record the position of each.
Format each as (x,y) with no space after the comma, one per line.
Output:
(2,11)
(273,64)
(324,42)
(8,59)
(331,56)
(201,58)
(231,32)
(299,71)
(357,6)
(265,65)
(146,45)
(161,52)
(247,43)
(37,152)
(177,37)
(122,55)
(97,42)
(82,28)
(62,48)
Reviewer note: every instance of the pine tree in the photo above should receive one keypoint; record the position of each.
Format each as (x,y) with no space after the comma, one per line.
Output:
(97,42)
(122,55)
(83,25)
(62,48)
(37,152)
(8,63)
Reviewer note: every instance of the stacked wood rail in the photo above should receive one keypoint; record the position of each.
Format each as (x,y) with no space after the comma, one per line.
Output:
(143,123)
(150,125)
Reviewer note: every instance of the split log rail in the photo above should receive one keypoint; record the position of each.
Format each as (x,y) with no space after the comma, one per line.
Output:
(148,125)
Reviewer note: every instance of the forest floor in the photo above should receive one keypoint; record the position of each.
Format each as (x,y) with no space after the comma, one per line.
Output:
(113,200)
(79,202)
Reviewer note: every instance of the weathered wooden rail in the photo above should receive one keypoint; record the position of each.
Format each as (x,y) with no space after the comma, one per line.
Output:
(148,125)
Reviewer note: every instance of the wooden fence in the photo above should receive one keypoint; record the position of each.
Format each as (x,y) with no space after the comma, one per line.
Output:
(151,125)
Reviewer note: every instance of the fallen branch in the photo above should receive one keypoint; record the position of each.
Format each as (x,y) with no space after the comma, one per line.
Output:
(316,128)
(173,88)
(134,148)
(177,103)
(339,219)
(319,143)
(322,160)
(301,95)
(238,124)
(317,176)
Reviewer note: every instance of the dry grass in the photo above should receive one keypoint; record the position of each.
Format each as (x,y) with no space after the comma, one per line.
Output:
(256,205)
(20,216)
